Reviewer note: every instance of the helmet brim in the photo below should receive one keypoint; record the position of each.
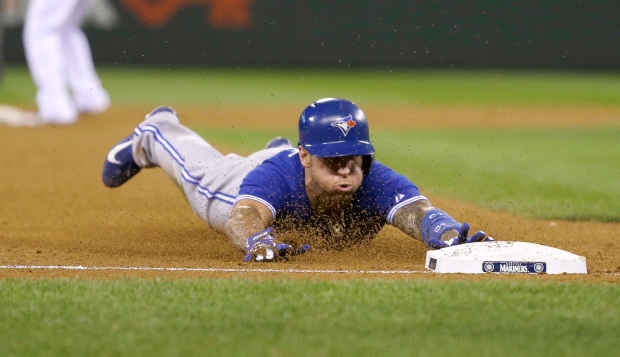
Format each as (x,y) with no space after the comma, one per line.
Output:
(340,148)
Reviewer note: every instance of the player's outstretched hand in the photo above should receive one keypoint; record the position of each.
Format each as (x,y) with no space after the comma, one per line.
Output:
(462,238)
(262,247)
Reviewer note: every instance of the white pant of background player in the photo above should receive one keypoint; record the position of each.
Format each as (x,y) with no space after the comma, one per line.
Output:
(209,179)
(60,61)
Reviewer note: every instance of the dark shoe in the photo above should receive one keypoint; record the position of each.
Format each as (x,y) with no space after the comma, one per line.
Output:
(119,165)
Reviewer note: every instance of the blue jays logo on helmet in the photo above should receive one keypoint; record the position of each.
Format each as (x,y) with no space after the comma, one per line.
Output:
(317,132)
(345,124)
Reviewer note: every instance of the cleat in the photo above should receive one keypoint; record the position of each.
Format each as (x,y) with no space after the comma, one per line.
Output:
(119,165)
(94,101)
(13,116)
(162,109)
(278,142)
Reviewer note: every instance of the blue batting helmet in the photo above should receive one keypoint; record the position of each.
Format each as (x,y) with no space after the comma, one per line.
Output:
(332,127)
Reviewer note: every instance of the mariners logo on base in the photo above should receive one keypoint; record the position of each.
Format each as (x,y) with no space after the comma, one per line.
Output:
(514,267)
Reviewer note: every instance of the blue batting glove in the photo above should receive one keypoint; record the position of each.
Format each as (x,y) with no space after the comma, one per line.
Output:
(479,236)
(261,247)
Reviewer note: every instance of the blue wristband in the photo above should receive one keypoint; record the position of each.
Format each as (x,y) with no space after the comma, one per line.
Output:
(435,223)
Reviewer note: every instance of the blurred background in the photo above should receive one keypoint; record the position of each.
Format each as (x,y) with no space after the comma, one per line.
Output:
(565,34)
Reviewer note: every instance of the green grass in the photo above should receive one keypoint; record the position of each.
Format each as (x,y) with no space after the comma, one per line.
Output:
(176,86)
(544,173)
(307,318)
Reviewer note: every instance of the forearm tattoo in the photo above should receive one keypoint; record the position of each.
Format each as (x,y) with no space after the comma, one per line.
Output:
(408,218)
(244,221)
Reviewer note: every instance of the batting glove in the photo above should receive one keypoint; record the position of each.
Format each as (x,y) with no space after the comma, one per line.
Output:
(462,238)
(261,247)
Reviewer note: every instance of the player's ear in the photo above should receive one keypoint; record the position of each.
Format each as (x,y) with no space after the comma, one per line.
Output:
(304,157)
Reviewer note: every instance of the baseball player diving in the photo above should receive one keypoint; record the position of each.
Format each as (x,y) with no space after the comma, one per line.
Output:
(326,192)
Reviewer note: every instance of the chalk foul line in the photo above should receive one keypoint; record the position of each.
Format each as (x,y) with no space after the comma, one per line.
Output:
(215,270)
(234,270)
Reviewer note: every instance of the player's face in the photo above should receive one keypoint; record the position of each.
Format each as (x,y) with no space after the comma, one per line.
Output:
(336,177)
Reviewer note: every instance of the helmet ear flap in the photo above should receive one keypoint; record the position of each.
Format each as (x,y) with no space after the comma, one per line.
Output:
(367,163)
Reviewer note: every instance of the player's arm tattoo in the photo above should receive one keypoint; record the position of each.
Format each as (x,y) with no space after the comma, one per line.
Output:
(408,218)
(244,221)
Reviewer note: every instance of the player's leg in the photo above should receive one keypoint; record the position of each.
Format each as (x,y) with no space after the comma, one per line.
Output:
(161,141)
(209,180)
(45,20)
(89,94)
(148,147)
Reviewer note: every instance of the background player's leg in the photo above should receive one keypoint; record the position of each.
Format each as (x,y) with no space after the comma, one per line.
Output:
(2,24)
(44,23)
(89,94)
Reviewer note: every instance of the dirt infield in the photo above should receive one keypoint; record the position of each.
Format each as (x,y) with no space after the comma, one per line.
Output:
(56,211)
